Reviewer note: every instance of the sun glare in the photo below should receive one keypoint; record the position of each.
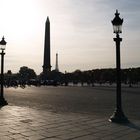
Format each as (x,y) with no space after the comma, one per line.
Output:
(17,18)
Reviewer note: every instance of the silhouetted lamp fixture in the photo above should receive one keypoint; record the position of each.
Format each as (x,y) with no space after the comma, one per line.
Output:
(3,44)
(117,23)
(2,48)
(118,115)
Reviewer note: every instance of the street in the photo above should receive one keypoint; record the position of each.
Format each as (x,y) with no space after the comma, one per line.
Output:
(99,101)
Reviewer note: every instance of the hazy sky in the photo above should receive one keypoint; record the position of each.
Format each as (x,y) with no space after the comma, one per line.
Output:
(81,33)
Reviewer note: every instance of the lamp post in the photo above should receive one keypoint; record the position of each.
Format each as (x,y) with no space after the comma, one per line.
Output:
(2,48)
(118,115)
(130,85)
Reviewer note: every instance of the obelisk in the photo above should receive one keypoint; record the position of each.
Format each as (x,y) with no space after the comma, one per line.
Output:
(56,65)
(47,60)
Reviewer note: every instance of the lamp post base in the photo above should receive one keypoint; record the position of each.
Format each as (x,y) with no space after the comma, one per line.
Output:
(3,102)
(118,117)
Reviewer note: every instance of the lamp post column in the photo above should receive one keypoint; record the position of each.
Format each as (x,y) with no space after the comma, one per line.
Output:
(2,75)
(118,73)
(118,115)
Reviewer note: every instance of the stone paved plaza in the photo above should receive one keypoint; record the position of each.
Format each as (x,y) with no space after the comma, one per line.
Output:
(22,123)
(24,119)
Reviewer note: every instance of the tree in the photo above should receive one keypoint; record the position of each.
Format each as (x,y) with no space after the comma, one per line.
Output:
(26,73)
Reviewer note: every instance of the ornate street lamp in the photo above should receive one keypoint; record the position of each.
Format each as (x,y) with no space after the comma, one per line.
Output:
(2,48)
(118,115)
